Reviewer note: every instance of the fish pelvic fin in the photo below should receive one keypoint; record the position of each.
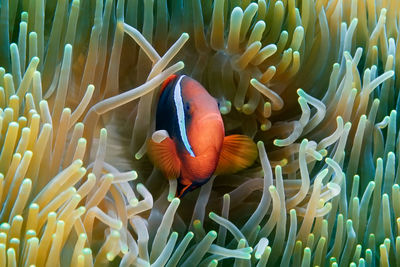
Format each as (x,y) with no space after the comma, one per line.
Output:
(182,190)
(238,152)
(185,186)
(164,156)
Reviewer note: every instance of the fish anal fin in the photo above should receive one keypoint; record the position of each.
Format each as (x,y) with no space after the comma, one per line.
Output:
(164,156)
(238,152)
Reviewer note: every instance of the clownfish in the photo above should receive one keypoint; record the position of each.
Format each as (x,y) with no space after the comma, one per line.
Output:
(189,143)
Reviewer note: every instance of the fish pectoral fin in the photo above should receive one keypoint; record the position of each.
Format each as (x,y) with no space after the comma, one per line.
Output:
(238,152)
(164,156)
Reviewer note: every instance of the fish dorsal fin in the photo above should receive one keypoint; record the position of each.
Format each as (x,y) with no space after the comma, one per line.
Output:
(162,152)
(167,81)
(182,189)
(238,153)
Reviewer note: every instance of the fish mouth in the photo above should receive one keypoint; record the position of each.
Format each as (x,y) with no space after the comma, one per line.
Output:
(212,116)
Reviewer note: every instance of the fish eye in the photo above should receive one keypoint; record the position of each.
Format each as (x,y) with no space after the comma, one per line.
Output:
(187,106)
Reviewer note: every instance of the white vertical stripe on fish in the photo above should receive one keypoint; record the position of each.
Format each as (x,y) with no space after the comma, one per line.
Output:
(181,115)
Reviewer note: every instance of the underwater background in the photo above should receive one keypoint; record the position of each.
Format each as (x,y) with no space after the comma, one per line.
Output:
(312,82)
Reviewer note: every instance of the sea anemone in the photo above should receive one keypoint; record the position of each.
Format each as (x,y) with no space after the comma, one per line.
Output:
(78,89)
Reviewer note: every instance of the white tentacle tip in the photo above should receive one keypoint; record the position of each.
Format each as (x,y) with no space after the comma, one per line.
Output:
(159,136)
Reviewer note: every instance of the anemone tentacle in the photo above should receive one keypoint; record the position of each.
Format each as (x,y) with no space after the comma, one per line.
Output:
(313,82)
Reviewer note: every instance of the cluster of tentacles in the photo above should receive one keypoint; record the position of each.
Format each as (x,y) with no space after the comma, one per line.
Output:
(314,83)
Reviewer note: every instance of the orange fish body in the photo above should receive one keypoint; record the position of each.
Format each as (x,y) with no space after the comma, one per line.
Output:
(194,146)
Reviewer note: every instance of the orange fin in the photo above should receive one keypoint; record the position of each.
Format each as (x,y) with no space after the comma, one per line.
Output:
(164,157)
(238,152)
(166,82)
(182,190)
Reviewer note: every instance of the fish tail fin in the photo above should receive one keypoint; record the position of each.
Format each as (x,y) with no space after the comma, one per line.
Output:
(164,156)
